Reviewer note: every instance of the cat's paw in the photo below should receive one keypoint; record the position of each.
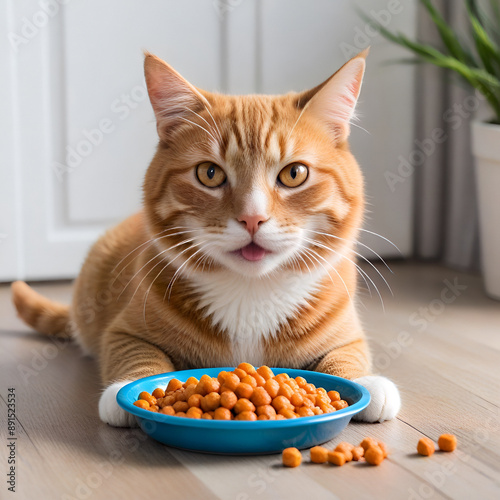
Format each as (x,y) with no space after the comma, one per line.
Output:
(385,400)
(109,411)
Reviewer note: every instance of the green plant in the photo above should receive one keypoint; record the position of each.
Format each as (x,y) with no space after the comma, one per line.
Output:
(476,59)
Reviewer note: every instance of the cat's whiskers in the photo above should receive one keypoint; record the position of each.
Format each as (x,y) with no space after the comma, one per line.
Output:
(357,242)
(176,274)
(317,243)
(362,257)
(215,123)
(150,260)
(383,237)
(208,124)
(156,277)
(199,126)
(152,241)
(315,255)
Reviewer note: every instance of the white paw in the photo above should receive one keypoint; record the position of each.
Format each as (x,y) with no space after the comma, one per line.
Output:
(385,400)
(109,411)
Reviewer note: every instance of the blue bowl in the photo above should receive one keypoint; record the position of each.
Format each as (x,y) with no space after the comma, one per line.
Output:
(243,437)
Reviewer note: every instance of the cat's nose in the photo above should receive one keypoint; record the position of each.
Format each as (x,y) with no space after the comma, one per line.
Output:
(252,222)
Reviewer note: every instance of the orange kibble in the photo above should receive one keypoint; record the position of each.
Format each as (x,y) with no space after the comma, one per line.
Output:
(189,391)
(191,381)
(240,373)
(336,458)
(194,412)
(297,399)
(333,395)
(246,415)
(291,382)
(287,413)
(280,417)
(281,378)
(265,372)
(168,410)
(301,381)
(303,411)
(319,454)
(249,380)
(327,408)
(228,399)
(242,405)
(317,410)
(153,408)
(374,455)
(285,390)
(147,397)
(367,442)
(447,442)
(200,388)
(357,453)
(210,402)
(207,416)
(180,414)
(259,379)
(211,413)
(340,405)
(244,390)
(158,393)
(346,449)
(267,410)
(212,385)
(322,399)
(167,401)
(272,387)
(247,367)
(307,403)
(222,377)
(291,457)
(231,381)
(425,447)
(260,397)
(383,447)
(142,403)
(264,417)
(174,385)
(195,400)
(222,413)
(180,406)
(310,388)
(280,402)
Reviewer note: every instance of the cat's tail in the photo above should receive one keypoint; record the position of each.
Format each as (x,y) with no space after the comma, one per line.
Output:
(44,315)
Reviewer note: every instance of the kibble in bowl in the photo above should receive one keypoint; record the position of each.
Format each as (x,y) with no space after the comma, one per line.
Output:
(243,410)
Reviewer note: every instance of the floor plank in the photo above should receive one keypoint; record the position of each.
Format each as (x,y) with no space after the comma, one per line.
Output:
(438,338)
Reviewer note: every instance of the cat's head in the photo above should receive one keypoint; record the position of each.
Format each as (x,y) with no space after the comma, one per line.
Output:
(254,183)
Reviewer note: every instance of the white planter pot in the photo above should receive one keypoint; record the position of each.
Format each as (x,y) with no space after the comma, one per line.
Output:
(486,150)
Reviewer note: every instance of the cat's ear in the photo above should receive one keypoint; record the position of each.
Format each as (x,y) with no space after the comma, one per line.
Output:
(333,102)
(173,98)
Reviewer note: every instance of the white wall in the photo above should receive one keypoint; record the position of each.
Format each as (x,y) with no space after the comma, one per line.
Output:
(81,69)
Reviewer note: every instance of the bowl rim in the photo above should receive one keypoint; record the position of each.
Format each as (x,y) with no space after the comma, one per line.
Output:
(123,400)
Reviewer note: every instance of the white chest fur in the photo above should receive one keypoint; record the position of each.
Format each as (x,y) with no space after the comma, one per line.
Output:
(252,309)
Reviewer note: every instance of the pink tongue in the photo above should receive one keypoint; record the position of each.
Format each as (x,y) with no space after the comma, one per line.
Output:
(253,252)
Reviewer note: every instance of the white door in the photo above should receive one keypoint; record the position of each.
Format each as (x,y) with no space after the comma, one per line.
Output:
(77,131)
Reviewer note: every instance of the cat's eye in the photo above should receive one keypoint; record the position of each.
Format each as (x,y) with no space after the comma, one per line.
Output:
(293,175)
(210,174)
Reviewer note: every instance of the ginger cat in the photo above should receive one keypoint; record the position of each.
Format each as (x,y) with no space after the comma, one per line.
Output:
(243,250)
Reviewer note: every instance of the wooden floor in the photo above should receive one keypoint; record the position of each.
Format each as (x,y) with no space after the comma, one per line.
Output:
(439,339)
